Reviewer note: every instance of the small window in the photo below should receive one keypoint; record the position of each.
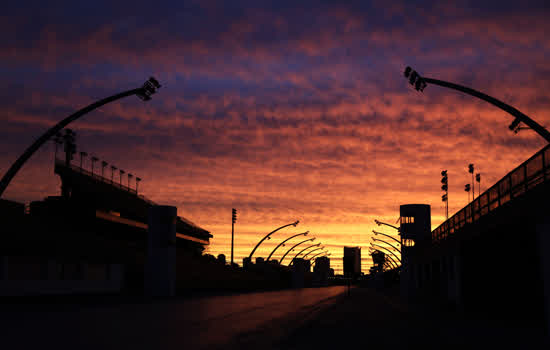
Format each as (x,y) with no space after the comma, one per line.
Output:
(407,219)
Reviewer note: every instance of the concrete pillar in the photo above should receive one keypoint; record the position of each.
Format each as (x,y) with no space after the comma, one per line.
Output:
(543,243)
(160,269)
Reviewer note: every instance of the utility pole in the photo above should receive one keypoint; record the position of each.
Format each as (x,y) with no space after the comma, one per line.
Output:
(233,220)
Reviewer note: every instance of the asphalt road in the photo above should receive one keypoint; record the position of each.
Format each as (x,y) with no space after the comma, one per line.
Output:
(316,318)
(201,323)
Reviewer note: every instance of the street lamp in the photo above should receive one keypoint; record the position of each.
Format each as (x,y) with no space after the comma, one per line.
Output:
(144,92)
(283,242)
(445,187)
(233,221)
(471,171)
(291,249)
(303,250)
(381,240)
(311,251)
(421,82)
(378,222)
(467,189)
(269,234)
(313,256)
(138,179)
(383,234)
(389,251)
(387,256)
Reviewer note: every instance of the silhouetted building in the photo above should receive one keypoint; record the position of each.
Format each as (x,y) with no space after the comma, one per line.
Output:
(93,238)
(322,265)
(300,270)
(352,262)
(321,271)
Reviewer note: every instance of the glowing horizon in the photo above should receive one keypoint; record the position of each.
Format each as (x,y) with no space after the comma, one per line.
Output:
(282,116)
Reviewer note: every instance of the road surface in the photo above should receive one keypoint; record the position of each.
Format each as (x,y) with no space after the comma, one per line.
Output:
(202,323)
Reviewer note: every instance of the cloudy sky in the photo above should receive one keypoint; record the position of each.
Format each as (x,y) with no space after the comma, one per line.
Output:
(284,110)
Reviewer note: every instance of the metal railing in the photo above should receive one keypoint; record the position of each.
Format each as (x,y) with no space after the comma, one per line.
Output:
(531,173)
(96,176)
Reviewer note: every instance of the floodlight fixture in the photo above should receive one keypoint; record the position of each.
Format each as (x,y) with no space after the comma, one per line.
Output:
(148,89)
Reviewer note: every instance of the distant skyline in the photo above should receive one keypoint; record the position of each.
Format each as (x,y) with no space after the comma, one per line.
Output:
(283,111)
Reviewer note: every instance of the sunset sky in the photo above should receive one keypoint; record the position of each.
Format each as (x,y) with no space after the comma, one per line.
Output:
(284,110)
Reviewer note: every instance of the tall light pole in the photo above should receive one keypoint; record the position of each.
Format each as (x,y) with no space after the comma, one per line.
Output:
(379,223)
(387,256)
(303,250)
(292,248)
(233,220)
(311,251)
(388,243)
(286,240)
(471,171)
(269,234)
(420,84)
(445,187)
(383,234)
(144,92)
(314,255)
(389,251)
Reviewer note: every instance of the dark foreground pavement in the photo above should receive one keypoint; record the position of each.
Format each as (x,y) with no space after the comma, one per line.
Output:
(368,319)
(313,318)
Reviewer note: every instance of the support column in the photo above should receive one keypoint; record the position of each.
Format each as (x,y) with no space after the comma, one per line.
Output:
(160,269)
